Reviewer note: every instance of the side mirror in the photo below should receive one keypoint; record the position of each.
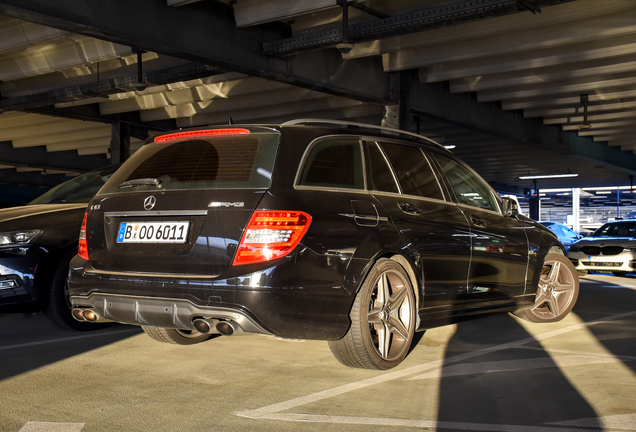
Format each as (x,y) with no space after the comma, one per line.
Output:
(510,207)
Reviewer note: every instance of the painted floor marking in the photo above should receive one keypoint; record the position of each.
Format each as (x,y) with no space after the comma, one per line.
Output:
(65,339)
(514,365)
(561,351)
(389,422)
(273,412)
(51,427)
(625,422)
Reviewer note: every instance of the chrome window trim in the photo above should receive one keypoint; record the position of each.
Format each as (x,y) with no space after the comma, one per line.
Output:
(498,213)
(157,213)
(417,197)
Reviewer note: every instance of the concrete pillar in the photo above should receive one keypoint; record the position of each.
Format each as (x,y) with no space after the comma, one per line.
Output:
(576,209)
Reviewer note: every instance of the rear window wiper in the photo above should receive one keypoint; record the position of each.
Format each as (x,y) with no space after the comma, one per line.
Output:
(140,182)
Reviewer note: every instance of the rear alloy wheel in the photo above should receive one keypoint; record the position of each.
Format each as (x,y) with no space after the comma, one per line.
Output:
(382,320)
(557,291)
(175,336)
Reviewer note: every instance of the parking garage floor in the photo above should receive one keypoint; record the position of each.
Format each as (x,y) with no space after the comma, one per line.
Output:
(495,373)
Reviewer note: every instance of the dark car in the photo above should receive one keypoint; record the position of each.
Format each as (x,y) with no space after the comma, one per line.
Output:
(566,236)
(37,241)
(612,248)
(349,233)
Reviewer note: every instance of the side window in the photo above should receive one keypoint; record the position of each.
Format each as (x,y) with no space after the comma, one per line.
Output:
(468,187)
(413,171)
(334,162)
(380,175)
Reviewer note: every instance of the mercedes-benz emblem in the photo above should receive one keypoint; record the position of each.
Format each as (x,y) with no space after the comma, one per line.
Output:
(150,202)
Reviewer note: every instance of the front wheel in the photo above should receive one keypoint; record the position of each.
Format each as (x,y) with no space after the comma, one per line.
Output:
(382,320)
(557,291)
(175,336)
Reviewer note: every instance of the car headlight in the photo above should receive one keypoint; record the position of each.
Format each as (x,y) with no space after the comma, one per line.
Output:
(18,239)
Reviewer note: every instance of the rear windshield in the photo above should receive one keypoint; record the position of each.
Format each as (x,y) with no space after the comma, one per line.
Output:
(228,162)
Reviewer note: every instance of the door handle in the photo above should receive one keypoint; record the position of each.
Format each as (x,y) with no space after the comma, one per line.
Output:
(408,208)
(478,222)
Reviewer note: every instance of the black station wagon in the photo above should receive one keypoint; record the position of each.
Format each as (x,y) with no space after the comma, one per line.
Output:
(313,229)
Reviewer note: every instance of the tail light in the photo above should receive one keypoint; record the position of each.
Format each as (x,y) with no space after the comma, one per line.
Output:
(270,235)
(82,250)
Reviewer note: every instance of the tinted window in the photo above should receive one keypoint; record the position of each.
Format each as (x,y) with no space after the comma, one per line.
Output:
(77,190)
(621,229)
(413,171)
(228,162)
(334,163)
(468,187)
(380,175)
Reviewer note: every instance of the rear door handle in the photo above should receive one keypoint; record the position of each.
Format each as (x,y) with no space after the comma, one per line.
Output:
(408,208)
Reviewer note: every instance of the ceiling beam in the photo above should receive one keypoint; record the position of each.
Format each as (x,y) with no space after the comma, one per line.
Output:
(38,157)
(435,101)
(152,26)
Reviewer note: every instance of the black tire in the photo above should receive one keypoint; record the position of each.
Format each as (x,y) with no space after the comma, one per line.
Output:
(58,308)
(382,320)
(174,336)
(557,292)
(619,273)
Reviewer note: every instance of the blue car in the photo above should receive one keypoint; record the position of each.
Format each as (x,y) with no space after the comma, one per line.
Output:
(565,234)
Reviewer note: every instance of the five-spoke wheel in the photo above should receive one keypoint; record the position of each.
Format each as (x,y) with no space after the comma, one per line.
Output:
(557,291)
(382,320)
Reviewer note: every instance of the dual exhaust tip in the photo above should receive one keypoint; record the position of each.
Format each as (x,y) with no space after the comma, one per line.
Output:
(226,328)
(207,326)
(85,315)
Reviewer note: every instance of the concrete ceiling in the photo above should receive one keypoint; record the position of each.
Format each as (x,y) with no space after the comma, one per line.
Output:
(501,80)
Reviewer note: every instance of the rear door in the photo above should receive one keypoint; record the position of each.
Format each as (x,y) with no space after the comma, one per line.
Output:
(433,229)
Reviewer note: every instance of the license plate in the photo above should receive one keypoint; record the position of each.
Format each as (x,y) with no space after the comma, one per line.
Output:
(153,232)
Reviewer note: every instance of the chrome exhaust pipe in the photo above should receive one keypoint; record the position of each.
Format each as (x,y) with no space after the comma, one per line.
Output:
(85,315)
(229,328)
(78,314)
(202,325)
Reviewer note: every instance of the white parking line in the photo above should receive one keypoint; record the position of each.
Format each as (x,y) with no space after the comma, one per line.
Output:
(515,365)
(273,412)
(66,339)
(431,424)
(51,427)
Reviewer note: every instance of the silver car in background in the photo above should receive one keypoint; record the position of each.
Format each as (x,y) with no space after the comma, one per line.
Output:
(612,247)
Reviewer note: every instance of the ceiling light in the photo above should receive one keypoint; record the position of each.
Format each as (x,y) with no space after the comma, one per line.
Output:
(450,146)
(532,177)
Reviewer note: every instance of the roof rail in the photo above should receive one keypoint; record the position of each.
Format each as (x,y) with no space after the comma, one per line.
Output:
(360,125)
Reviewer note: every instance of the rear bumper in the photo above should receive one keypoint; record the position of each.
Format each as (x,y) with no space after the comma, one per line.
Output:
(161,312)
(275,300)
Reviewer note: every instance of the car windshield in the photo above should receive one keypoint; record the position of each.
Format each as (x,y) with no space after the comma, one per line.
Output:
(620,229)
(77,190)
